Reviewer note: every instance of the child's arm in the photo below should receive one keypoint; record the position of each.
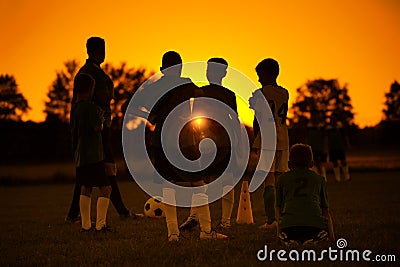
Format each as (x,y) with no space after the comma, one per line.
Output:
(277,216)
(252,105)
(327,214)
(97,119)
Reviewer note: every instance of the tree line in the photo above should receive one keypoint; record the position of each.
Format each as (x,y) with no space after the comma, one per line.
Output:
(50,140)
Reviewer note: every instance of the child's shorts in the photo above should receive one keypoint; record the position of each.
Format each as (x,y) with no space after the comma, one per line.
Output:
(336,155)
(92,175)
(319,156)
(171,173)
(279,160)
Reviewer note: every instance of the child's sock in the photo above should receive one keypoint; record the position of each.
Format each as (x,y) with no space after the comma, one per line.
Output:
(102,207)
(192,214)
(336,172)
(84,204)
(227,204)
(170,211)
(323,171)
(346,172)
(269,203)
(200,204)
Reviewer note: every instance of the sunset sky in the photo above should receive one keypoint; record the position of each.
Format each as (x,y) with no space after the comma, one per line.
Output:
(356,42)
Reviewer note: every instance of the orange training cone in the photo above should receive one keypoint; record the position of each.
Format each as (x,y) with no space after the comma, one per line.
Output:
(244,214)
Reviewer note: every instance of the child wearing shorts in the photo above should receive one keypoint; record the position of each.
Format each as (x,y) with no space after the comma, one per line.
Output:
(86,124)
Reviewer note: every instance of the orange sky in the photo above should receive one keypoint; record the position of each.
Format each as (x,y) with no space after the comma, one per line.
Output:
(355,41)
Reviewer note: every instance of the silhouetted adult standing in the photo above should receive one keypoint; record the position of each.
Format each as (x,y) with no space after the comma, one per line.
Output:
(103,94)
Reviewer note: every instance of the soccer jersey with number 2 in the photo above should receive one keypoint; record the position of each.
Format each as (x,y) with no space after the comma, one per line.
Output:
(301,195)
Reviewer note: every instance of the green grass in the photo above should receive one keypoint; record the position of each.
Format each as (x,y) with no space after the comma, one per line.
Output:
(33,232)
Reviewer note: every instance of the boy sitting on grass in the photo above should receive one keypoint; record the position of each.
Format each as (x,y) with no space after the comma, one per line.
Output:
(86,123)
(302,209)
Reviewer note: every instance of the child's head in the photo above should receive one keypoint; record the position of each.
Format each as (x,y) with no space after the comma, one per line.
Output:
(267,70)
(84,86)
(216,69)
(300,157)
(171,59)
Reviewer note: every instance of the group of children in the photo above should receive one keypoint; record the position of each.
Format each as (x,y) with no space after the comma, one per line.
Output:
(328,138)
(183,92)
(295,197)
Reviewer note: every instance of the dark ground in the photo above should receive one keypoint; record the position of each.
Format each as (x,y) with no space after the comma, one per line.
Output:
(33,232)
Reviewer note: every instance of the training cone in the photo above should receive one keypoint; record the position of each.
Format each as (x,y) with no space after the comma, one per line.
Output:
(244,214)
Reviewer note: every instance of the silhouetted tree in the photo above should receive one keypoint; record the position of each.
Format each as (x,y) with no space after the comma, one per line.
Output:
(392,103)
(325,96)
(12,103)
(388,130)
(126,82)
(58,107)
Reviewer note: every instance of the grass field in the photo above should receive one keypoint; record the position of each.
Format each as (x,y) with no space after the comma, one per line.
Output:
(364,160)
(33,232)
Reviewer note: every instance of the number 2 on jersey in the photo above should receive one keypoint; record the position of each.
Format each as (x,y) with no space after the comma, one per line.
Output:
(301,184)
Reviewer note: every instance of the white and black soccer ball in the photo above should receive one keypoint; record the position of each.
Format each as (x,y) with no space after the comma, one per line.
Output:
(154,207)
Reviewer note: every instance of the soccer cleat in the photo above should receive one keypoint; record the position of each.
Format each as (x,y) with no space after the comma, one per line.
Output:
(321,237)
(189,224)
(104,229)
(83,230)
(286,241)
(211,235)
(224,225)
(73,220)
(173,238)
(267,226)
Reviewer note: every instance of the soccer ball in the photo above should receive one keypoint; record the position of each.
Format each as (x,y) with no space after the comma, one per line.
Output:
(154,207)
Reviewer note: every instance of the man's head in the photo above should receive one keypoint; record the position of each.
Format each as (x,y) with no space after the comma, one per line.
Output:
(96,49)
(300,157)
(174,60)
(267,71)
(84,86)
(216,70)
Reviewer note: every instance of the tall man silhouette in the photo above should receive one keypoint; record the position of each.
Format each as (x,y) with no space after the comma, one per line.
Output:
(103,94)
